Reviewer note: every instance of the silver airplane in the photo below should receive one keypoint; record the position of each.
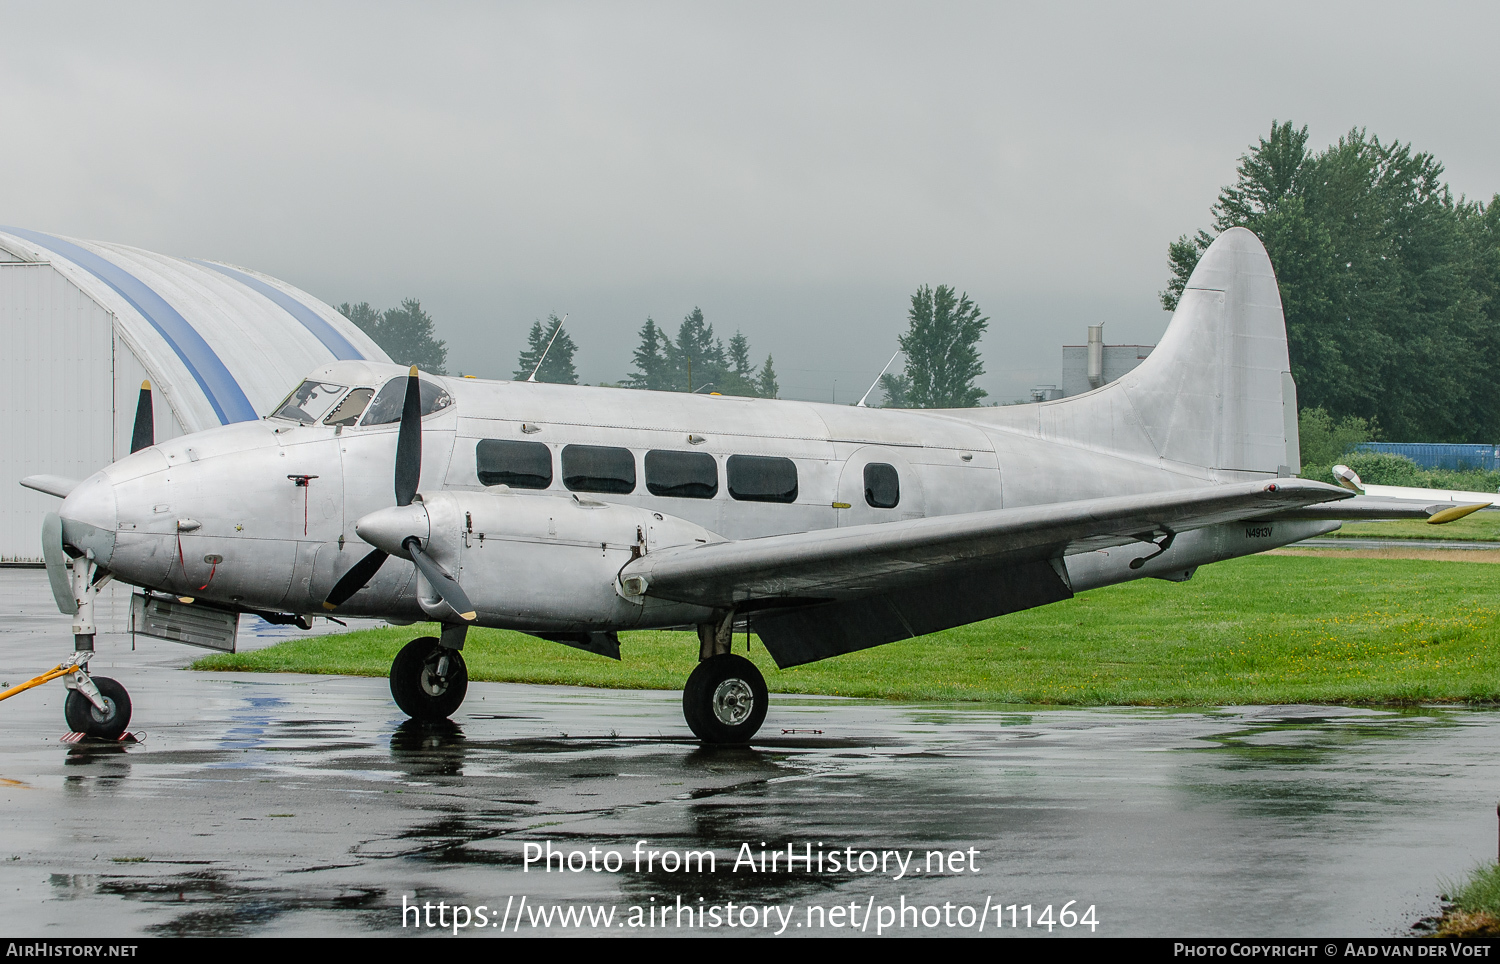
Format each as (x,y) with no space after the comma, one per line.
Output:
(572,513)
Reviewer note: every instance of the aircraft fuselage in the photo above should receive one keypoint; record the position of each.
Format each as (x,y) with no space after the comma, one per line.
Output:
(262,515)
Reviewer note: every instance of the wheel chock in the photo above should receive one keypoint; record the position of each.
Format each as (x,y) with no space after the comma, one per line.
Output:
(74,739)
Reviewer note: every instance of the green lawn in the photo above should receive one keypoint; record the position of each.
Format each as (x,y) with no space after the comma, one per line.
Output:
(1266,629)
(1479,527)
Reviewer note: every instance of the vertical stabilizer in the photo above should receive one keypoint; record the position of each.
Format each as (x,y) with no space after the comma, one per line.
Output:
(1216,393)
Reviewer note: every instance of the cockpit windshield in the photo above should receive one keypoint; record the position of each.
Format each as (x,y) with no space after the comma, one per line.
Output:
(348,411)
(309,402)
(387,405)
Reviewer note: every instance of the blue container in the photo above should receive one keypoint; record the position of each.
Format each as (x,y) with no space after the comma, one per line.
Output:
(1440,455)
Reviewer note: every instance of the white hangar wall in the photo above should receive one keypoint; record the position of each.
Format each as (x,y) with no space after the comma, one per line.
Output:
(84,323)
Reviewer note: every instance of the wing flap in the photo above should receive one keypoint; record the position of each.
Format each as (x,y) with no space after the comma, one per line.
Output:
(800,635)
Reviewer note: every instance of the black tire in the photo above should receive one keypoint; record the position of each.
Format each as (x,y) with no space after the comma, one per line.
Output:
(83,717)
(416,687)
(725,700)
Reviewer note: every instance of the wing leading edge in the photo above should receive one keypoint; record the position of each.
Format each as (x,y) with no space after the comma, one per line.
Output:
(811,595)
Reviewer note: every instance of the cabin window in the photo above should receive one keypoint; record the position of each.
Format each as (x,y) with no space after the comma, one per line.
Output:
(682,475)
(882,485)
(598,468)
(309,402)
(388,404)
(520,465)
(760,478)
(348,411)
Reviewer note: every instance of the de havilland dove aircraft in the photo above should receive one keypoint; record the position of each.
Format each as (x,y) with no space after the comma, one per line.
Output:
(572,513)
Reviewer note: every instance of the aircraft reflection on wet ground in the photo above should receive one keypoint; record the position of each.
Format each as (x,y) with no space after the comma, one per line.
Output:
(309,805)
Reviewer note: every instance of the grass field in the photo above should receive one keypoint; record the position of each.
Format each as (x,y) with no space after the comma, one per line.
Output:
(1472,905)
(1266,629)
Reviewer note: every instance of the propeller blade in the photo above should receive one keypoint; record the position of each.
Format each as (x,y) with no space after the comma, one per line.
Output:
(409,442)
(144,435)
(442,583)
(355,579)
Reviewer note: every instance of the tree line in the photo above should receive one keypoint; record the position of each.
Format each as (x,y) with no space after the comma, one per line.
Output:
(1390,285)
(941,348)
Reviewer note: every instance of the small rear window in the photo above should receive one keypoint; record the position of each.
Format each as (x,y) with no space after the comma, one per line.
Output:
(682,475)
(520,465)
(598,468)
(761,478)
(882,485)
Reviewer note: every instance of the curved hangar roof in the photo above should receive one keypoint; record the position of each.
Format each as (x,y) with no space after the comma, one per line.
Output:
(221,343)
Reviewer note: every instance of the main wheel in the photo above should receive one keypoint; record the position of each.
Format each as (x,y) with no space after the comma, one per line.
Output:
(725,699)
(423,685)
(106,724)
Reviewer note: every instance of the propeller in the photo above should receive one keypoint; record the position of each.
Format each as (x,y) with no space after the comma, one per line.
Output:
(144,435)
(391,530)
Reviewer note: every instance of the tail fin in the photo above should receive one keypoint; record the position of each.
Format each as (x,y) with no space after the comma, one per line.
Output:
(1216,393)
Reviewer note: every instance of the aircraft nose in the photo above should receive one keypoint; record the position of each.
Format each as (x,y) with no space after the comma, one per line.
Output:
(90,518)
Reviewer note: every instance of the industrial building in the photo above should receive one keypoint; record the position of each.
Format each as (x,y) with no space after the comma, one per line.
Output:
(85,322)
(1086,367)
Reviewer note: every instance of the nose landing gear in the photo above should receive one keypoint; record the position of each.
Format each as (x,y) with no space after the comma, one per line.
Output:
(84,713)
(95,706)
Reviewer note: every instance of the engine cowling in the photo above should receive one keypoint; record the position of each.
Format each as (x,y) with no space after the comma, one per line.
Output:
(545,563)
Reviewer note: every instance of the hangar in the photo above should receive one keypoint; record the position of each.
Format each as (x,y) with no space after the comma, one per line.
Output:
(85,322)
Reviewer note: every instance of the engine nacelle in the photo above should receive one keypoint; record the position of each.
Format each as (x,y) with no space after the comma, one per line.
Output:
(549,563)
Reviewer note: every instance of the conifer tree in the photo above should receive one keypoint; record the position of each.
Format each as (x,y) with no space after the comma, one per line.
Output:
(765,382)
(557,365)
(653,370)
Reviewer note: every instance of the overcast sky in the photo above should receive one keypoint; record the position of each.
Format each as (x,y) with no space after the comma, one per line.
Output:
(796,170)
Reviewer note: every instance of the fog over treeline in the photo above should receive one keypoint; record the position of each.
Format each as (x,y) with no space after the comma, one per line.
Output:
(796,172)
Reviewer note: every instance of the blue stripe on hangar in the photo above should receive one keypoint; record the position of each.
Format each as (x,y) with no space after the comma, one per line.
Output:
(330,336)
(219,387)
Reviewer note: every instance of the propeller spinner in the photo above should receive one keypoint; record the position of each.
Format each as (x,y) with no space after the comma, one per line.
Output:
(393,531)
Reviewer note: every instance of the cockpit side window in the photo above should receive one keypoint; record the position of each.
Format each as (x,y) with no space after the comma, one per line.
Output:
(309,402)
(387,405)
(347,412)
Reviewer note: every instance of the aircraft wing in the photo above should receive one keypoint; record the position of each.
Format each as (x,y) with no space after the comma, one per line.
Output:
(845,563)
(811,595)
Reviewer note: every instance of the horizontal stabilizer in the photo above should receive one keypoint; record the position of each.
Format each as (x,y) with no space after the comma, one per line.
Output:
(1369,508)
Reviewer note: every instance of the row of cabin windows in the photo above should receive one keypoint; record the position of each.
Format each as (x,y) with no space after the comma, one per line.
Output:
(682,475)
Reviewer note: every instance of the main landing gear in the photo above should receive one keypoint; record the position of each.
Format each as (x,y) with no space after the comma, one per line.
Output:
(725,699)
(429,679)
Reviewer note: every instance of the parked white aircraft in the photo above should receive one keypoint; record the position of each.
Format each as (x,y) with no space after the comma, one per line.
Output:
(572,513)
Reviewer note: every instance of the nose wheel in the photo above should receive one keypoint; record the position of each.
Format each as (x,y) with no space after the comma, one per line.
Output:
(428,680)
(104,723)
(725,699)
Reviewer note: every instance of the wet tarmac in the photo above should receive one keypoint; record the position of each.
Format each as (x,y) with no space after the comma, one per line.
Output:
(274,805)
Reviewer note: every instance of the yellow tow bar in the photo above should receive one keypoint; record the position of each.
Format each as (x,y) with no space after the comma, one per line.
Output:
(67,666)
